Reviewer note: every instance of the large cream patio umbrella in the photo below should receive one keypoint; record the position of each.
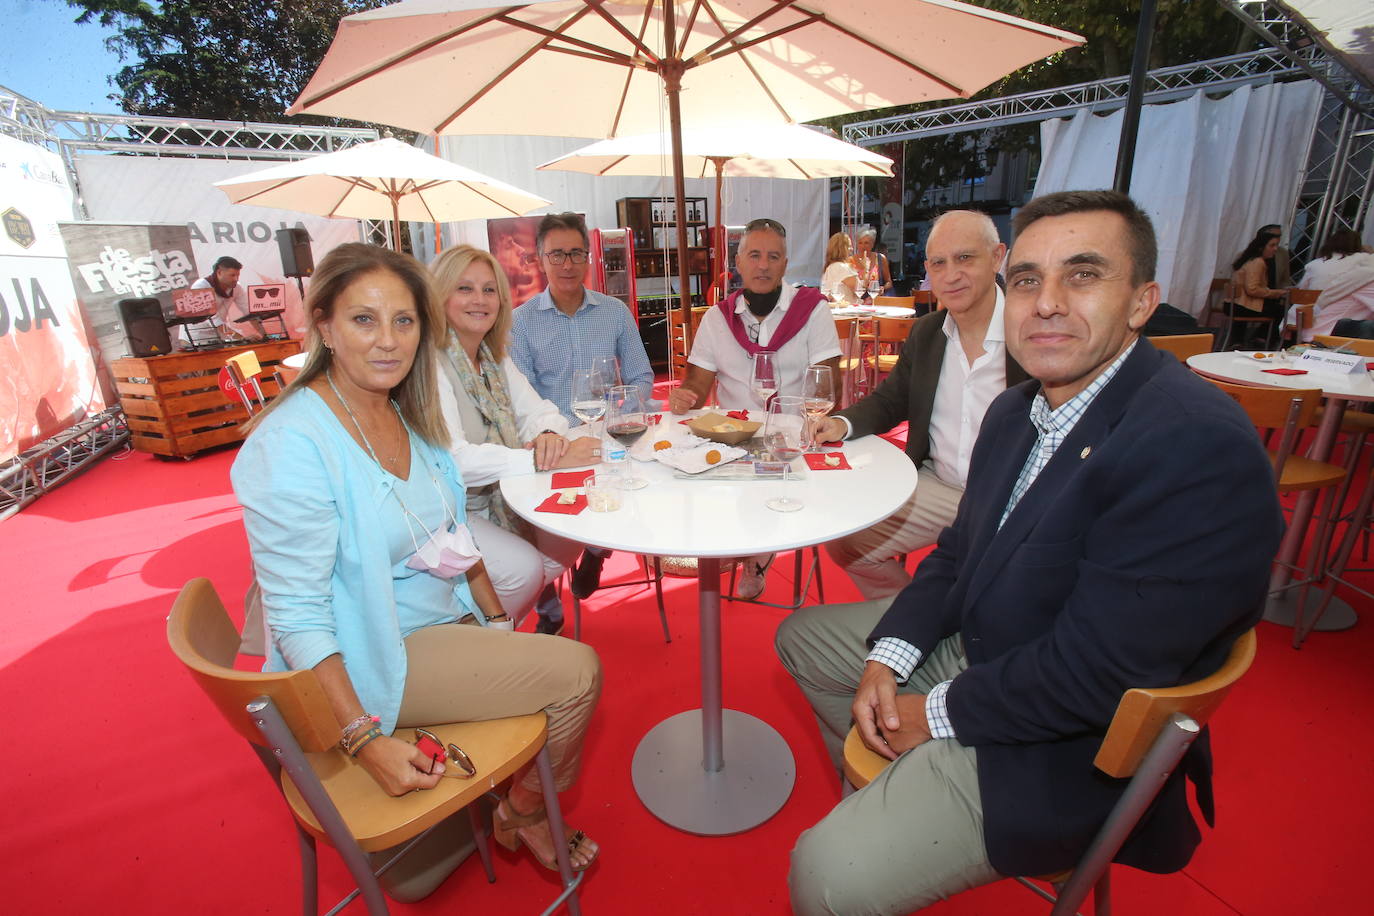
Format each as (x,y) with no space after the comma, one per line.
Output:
(607,68)
(384,179)
(743,151)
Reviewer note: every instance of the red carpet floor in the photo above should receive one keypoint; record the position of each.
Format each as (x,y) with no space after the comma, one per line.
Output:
(127,793)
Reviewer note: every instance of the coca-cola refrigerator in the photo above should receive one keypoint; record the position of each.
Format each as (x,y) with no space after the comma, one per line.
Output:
(613,266)
(733,236)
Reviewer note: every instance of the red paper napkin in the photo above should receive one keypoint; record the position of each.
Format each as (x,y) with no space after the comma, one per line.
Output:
(653,418)
(836,444)
(737,414)
(816,461)
(553,505)
(1285,371)
(564,479)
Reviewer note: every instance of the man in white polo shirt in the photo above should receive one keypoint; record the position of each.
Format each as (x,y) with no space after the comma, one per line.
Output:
(765,316)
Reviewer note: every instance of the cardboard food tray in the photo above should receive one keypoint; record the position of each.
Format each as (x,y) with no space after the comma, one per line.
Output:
(702,426)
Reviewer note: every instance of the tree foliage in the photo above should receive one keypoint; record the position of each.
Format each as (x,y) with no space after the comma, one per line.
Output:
(237,60)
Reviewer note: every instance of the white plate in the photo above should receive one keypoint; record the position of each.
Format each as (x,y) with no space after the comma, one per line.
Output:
(673,431)
(692,460)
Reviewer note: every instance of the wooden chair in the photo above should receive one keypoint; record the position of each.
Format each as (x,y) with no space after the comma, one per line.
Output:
(1148,736)
(901,302)
(925,302)
(1217,294)
(1184,345)
(1351,344)
(847,330)
(289,723)
(1303,304)
(1236,314)
(888,337)
(243,370)
(654,578)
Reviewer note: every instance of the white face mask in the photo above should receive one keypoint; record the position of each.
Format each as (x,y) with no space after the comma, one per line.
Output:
(447,553)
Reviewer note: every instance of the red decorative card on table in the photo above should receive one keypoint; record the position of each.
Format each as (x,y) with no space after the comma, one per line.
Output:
(816,461)
(564,479)
(553,505)
(737,414)
(1285,371)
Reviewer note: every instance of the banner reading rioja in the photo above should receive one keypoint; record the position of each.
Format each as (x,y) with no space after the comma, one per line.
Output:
(48,375)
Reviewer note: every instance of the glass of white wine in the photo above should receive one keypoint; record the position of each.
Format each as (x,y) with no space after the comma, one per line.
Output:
(782,434)
(818,397)
(588,396)
(763,380)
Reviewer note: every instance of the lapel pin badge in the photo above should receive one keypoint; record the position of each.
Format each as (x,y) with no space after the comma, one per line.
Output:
(1087,450)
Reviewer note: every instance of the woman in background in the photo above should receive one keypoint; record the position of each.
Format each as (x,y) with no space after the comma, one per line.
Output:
(500,427)
(355,516)
(840,282)
(1250,293)
(872,266)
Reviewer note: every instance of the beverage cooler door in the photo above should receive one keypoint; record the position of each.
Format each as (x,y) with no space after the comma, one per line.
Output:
(613,252)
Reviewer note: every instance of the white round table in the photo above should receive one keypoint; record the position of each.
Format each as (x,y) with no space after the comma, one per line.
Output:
(681,769)
(1337,390)
(875,311)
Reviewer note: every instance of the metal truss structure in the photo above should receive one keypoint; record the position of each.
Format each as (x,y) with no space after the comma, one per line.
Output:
(31,474)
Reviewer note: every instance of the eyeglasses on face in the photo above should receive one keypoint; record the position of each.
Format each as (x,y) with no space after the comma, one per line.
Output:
(558,256)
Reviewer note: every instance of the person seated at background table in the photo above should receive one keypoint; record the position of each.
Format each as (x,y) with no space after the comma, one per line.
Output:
(1277,266)
(1250,290)
(1117,532)
(499,427)
(355,516)
(953,364)
(840,281)
(872,265)
(559,331)
(765,315)
(1344,272)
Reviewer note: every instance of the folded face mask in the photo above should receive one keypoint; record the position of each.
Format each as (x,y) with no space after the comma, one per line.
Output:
(447,553)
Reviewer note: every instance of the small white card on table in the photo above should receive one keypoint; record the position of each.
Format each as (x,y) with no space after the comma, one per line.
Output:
(1330,361)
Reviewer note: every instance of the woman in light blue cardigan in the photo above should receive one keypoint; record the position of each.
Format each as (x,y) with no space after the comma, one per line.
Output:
(355,515)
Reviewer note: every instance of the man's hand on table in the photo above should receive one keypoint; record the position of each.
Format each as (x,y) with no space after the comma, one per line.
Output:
(681,400)
(888,722)
(582,451)
(831,429)
(548,448)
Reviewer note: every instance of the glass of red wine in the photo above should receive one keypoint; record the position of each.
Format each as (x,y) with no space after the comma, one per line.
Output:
(626,424)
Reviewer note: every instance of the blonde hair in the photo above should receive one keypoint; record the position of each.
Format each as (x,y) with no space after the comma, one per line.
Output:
(836,248)
(416,396)
(451,265)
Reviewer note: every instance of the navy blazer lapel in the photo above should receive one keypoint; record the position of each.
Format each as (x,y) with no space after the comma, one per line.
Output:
(1079,447)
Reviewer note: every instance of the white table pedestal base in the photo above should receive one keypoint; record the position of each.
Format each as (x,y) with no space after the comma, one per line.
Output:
(752,784)
(1283,610)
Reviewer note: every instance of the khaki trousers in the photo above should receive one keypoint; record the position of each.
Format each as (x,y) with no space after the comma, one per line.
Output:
(870,556)
(914,835)
(460,673)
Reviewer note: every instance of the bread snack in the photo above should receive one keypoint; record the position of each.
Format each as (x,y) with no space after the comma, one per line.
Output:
(567,497)
(729,426)
(832,461)
(713,457)
(661,444)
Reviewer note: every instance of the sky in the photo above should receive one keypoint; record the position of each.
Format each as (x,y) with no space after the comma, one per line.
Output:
(52,60)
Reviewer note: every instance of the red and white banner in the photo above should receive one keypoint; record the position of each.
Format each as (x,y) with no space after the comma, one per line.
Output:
(167,190)
(48,375)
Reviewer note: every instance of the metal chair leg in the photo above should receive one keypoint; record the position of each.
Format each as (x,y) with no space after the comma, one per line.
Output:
(556,829)
(479,836)
(658,594)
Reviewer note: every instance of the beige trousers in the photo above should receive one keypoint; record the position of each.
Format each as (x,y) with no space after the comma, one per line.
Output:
(914,835)
(459,673)
(871,556)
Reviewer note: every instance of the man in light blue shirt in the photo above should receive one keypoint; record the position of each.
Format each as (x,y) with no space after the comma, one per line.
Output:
(561,329)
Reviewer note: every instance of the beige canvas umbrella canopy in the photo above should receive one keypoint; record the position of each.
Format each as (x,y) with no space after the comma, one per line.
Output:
(384,179)
(607,68)
(743,151)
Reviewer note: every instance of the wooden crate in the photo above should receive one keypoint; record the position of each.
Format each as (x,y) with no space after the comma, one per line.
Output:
(174,404)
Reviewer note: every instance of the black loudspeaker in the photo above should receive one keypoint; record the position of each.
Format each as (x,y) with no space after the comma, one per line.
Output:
(296,257)
(145,327)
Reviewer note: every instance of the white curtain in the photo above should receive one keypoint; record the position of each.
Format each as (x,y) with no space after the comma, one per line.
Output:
(1208,171)
(798,205)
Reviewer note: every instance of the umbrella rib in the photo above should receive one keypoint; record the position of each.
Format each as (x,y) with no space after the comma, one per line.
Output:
(729,36)
(349,186)
(518,62)
(614,57)
(399,58)
(602,172)
(798,166)
(691,24)
(279,184)
(748,64)
(630,73)
(480,193)
(614,23)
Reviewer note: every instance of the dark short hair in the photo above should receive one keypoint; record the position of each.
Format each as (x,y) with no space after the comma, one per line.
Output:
(226,261)
(1140,232)
(1341,243)
(1270,229)
(552,221)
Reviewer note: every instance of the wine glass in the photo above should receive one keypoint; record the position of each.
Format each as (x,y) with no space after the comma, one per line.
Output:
(625,424)
(782,433)
(763,379)
(588,396)
(607,369)
(818,396)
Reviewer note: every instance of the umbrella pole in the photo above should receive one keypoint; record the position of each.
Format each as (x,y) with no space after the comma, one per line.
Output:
(395,222)
(722,249)
(670,71)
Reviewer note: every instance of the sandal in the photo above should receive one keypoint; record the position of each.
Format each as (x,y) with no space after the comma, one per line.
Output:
(506,823)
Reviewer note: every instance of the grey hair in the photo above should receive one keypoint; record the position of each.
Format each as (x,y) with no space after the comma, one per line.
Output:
(985,224)
(869,233)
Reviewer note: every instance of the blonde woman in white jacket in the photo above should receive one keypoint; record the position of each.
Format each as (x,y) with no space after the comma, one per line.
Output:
(501,427)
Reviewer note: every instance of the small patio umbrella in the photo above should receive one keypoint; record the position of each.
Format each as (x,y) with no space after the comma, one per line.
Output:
(605,68)
(384,179)
(758,151)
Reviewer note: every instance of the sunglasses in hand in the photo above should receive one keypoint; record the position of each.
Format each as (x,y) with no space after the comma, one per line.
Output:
(430,745)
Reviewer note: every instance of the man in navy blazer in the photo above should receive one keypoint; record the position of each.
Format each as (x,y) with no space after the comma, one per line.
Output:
(1116,532)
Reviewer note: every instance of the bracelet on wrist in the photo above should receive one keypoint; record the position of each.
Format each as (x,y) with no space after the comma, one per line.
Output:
(351,729)
(372,734)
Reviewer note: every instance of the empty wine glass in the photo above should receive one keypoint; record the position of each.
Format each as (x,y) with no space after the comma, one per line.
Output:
(782,434)
(625,423)
(818,397)
(607,369)
(763,380)
(588,395)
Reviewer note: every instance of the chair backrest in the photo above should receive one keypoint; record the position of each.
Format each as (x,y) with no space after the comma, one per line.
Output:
(1184,345)
(203,637)
(894,330)
(1288,409)
(1143,711)
(1298,296)
(906,302)
(1352,344)
(846,328)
